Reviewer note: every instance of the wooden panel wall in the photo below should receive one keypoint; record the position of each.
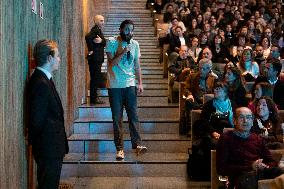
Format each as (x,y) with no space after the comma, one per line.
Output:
(65,21)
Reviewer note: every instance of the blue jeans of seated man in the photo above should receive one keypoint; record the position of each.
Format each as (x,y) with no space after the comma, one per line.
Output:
(120,98)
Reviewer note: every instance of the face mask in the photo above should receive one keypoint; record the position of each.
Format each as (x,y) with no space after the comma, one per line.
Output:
(126,38)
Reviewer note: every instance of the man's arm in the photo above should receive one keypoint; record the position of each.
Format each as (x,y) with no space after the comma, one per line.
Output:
(114,60)
(38,107)
(89,39)
(139,76)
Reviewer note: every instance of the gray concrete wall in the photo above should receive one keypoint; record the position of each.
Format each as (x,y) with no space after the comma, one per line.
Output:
(65,21)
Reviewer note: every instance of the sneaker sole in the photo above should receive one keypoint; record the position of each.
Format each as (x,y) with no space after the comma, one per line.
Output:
(119,158)
(142,151)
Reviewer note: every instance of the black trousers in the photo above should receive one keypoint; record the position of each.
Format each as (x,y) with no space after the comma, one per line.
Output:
(95,79)
(48,172)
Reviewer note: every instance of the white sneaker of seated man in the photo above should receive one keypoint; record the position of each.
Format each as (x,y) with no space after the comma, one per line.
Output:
(139,150)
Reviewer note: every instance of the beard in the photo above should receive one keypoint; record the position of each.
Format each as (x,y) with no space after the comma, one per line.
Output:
(126,38)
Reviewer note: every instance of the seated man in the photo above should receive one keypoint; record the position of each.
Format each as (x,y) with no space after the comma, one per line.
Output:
(179,68)
(196,85)
(272,72)
(201,82)
(243,156)
(181,65)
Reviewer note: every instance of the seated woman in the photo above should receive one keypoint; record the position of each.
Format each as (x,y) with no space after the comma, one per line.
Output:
(260,89)
(219,51)
(267,123)
(216,115)
(249,68)
(194,50)
(236,89)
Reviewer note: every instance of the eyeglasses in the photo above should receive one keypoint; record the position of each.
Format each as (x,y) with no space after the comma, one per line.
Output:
(247,117)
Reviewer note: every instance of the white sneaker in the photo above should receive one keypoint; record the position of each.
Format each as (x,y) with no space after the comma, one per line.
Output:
(141,150)
(120,154)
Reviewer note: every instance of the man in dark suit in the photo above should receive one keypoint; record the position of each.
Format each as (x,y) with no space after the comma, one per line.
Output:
(46,118)
(272,72)
(96,42)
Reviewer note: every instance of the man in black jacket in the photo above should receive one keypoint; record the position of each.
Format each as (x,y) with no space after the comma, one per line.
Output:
(46,117)
(96,42)
(272,72)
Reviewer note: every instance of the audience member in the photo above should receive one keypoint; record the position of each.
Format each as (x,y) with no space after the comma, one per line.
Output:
(194,50)
(219,51)
(251,160)
(272,72)
(267,123)
(249,68)
(177,40)
(181,64)
(200,83)
(216,115)
(265,43)
(236,89)
(260,89)
(259,58)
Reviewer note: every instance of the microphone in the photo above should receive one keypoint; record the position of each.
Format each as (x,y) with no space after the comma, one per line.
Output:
(128,53)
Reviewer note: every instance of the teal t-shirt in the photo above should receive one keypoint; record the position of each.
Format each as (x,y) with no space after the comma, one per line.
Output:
(122,75)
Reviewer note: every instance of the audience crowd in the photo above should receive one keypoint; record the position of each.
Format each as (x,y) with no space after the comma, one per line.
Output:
(234,50)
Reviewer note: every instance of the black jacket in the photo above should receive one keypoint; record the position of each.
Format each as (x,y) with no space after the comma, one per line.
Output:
(46,118)
(97,48)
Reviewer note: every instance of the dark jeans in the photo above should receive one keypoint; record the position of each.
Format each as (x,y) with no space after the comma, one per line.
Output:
(48,172)
(119,98)
(95,79)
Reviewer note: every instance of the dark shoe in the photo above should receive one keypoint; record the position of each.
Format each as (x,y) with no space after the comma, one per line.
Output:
(141,150)
(97,101)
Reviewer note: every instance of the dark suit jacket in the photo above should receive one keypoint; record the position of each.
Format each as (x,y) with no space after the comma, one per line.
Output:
(174,42)
(46,118)
(278,91)
(97,48)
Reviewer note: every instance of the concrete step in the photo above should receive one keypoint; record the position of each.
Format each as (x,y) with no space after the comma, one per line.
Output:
(144,20)
(148,81)
(151,72)
(124,1)
(137,24)
(129,15)
(137,28)
(145,113)
(150,60)
(147,165)
(146,67)
(156,182)
(150,54)
(142,102)
(139,34)
(153,77)
(150,65)
(103,143)
(149,93)
(144,128)
(122,11)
